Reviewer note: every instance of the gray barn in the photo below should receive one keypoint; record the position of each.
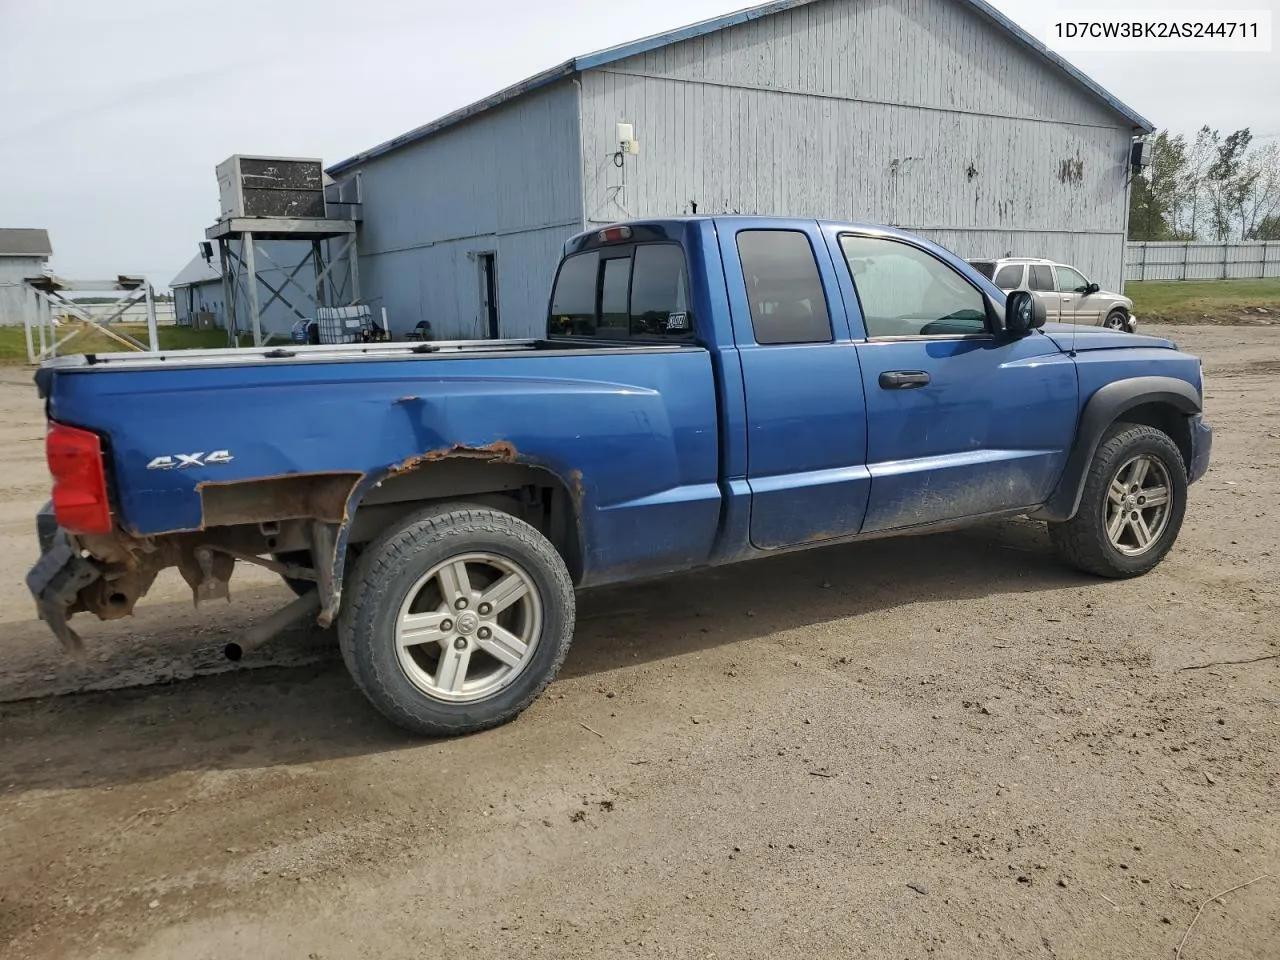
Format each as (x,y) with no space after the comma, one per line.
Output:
(941,116)
(197,289)
(24,253)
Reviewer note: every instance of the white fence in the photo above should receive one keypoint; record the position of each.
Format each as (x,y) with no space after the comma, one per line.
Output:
(1201,261)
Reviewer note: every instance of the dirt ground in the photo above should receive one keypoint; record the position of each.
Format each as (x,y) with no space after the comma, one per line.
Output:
(942,747)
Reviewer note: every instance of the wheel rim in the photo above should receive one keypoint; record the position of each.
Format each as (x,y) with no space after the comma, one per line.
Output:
(1116,321)
(469,627)
(1138,505)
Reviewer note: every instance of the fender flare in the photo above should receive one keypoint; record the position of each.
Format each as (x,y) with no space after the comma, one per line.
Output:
(1104,408)
(330,540)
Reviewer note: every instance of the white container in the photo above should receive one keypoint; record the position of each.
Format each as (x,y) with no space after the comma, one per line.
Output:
(343,324)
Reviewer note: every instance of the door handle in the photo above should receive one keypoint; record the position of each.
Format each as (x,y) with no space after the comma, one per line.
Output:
(903,379)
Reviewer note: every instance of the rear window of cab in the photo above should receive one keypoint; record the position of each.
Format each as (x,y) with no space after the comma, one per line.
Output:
(632,292)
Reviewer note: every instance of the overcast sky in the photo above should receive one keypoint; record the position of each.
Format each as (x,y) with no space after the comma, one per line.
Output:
(113,113)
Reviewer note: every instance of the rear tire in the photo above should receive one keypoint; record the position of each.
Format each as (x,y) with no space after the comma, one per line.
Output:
(1134,500)
(457,620)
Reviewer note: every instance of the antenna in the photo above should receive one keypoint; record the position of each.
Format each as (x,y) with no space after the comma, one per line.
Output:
(1074,326)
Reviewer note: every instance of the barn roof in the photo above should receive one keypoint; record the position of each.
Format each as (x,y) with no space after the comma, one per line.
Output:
(24,242)
(197,271)
(613,54)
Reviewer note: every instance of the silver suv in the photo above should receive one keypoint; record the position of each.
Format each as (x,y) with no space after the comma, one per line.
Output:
(1068,296)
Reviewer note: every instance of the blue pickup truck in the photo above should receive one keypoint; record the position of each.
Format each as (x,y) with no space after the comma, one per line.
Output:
(708,390)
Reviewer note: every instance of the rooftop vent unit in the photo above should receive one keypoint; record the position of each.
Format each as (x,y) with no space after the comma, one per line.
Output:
(271,187)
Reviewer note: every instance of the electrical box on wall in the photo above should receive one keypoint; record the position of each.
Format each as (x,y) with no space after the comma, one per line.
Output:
(1140,154)
(627,142)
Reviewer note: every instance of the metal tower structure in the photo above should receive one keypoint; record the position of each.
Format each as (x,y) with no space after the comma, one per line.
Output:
(284,199)
(242,258)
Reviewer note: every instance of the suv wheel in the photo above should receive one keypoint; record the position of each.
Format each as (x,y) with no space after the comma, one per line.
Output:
(1118,320)
(1135,496)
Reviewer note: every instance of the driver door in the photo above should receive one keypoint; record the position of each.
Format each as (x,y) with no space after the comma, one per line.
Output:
(960,423)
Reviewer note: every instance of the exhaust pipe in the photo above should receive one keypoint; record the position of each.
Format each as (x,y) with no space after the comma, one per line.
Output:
(305,606)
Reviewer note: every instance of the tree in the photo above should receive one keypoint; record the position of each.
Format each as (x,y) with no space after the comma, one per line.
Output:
(1228,182)
(1157,193)
(1190,210)
(1268,229)
(1260,201)
(1219,188)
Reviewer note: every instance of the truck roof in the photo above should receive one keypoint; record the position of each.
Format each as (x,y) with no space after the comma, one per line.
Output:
(676,225)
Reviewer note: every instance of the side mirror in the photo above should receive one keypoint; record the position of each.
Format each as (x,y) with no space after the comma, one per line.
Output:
(1023,312)
(1091,289)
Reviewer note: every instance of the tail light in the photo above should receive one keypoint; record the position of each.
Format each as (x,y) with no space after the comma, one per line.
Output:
(79,479)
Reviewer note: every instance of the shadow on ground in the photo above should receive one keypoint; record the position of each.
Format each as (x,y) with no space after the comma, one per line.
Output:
(291,715)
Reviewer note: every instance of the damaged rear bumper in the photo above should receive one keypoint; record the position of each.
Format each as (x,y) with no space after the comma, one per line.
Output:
(58,577)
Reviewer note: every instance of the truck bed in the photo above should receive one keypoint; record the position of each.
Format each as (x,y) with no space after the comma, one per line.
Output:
(632,430)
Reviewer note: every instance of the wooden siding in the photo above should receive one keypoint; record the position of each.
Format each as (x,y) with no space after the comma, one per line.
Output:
(916,113)
(507,181)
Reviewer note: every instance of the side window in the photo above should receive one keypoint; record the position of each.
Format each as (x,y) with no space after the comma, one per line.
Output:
(783,287)
(660,293)
(1070,281)
(573,301)
(984,267)
(906,292)
(1010,277)
(1041,277)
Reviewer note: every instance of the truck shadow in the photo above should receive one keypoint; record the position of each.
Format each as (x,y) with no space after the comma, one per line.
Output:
(709,608)
(302,714)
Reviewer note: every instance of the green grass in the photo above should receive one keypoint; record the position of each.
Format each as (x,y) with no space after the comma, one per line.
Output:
(1205,301)
(13,344)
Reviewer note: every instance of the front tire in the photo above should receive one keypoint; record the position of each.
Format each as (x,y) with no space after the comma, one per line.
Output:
(1134,501)
(456,621)
(1117,320)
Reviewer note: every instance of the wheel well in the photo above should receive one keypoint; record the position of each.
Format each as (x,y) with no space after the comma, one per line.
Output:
(1166,418)
(537,496)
